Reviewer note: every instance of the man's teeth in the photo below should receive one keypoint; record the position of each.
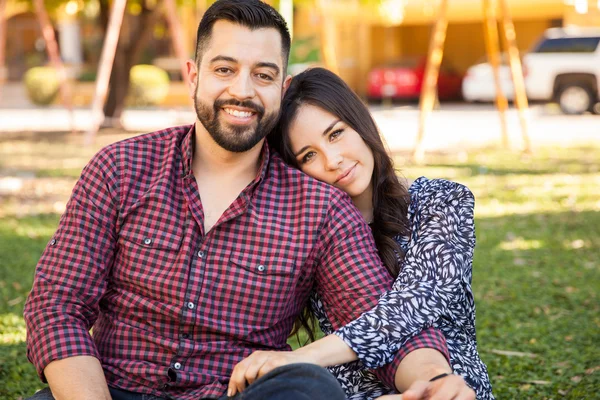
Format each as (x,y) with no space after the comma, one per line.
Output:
(236,113)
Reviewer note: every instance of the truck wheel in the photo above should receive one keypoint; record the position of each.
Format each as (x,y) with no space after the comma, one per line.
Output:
(575,98)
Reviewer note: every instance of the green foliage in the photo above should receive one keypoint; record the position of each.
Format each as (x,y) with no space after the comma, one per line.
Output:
(42,85)
(149,85)
(305,50)
(536,268)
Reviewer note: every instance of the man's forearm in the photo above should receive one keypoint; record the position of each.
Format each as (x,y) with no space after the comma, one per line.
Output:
(79,377)
(421,364)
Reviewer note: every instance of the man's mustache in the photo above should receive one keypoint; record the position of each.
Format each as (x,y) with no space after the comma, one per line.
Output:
(260,110)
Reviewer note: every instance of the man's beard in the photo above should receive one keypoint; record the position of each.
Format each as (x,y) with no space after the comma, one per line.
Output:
(237,139)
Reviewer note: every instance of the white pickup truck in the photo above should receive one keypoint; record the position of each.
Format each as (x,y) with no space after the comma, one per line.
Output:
(565,67)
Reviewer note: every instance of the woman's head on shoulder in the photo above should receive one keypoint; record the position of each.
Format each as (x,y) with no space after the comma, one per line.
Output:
(327,131)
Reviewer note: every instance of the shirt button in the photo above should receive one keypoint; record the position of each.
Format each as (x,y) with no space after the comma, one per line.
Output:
(177,366)
(261,268)
(52,242)
(185,335)
(147,241)
(190,305)
(201,254)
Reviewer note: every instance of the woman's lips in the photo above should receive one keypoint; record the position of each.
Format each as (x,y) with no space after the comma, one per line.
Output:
(346,176)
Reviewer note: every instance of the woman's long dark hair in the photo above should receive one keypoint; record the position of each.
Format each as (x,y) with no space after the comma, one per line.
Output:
(324,89)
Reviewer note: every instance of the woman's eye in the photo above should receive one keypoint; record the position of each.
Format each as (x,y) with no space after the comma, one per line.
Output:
(335,134)
(307,157)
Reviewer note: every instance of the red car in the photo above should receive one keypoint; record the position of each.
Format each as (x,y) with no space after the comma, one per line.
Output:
(404,80)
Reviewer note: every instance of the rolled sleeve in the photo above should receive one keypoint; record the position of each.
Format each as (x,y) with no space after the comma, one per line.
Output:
(71,275)
(430,338)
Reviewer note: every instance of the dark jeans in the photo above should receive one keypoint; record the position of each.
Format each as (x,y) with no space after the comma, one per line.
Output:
(290,382)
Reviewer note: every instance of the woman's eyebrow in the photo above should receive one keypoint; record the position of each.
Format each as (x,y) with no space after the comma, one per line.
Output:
(330,127)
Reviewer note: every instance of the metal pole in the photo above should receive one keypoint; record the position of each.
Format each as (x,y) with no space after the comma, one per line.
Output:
(492,47)
(104,69)
(432,70)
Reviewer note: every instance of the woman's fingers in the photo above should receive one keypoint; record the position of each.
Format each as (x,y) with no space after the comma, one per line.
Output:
(253,367)
(237,381)
(417,391)
(452,387)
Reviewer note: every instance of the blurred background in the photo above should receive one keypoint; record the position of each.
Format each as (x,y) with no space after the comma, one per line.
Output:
(534,166)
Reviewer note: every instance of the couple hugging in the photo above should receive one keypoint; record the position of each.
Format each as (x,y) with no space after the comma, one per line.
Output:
(194,251)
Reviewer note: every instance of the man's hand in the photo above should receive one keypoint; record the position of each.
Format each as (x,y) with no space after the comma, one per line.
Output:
(451,387)
(258,364)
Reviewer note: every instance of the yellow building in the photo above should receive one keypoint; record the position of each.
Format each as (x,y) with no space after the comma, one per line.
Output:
(361,37)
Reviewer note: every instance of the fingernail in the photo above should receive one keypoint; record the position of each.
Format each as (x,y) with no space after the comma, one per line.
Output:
(229,392)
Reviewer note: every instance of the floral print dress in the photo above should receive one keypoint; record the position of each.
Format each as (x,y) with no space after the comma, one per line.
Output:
(432,289)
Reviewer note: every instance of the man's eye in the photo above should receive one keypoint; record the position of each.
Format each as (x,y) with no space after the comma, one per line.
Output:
(265,77)
(307,157)
(223,70)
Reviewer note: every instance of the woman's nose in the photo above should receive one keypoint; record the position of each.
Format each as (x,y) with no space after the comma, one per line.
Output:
(333,161)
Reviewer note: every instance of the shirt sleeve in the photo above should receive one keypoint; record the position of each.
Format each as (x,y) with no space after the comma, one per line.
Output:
(71,275)
(430,338)
(436,269)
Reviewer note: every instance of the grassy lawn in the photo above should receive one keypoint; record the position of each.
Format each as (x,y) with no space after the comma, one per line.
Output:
(537,261)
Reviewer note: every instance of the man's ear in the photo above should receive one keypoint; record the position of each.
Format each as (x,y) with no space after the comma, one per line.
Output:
(286,85)
(192,76)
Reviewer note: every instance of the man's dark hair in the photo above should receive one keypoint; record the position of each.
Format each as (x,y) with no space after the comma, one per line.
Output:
(253,14)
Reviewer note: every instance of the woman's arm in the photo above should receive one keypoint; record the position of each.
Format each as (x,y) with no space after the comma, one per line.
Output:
(436,270)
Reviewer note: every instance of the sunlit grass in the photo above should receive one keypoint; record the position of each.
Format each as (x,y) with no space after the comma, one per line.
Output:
(536,273)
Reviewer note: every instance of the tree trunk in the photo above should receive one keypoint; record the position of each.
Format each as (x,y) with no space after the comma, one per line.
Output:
(3,70)
(128,53)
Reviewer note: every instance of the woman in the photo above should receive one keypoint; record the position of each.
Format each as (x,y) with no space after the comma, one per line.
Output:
(425,237)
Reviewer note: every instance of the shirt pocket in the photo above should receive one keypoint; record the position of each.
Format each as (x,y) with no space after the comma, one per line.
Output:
(258,290)
(148,254)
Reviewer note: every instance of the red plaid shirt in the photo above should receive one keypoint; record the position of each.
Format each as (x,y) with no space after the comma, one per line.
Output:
(173,309)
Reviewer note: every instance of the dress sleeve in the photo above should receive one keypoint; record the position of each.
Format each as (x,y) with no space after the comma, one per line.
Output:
(436,270)
(71,275)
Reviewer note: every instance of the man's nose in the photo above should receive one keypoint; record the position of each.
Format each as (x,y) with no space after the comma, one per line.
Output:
(242,87)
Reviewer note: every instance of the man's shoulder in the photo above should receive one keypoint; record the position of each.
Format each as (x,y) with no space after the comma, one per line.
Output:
(295,181)
(303,192)
(162,137)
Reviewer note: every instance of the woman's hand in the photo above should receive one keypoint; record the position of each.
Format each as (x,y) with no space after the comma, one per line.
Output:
(258,364)
(451,387)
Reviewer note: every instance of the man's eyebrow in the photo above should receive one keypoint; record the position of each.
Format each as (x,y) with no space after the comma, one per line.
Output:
(330,127)
(223,58)
(270,65)
(264,64)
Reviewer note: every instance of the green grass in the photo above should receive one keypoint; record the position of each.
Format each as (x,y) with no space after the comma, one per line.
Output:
(536,270)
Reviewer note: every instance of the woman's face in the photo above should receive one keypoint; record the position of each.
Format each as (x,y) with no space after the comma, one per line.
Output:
(327,149)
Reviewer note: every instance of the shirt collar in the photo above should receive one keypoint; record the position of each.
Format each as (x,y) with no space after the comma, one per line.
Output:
(187,150)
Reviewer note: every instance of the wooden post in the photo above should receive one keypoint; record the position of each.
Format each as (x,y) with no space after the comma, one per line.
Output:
(516,72)
(432,70)
(328,38)
(177,36)
(54,56)
(492,39)
(3,20)
(104,68)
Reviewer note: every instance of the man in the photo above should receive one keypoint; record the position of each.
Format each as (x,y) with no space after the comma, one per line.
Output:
(189,248)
